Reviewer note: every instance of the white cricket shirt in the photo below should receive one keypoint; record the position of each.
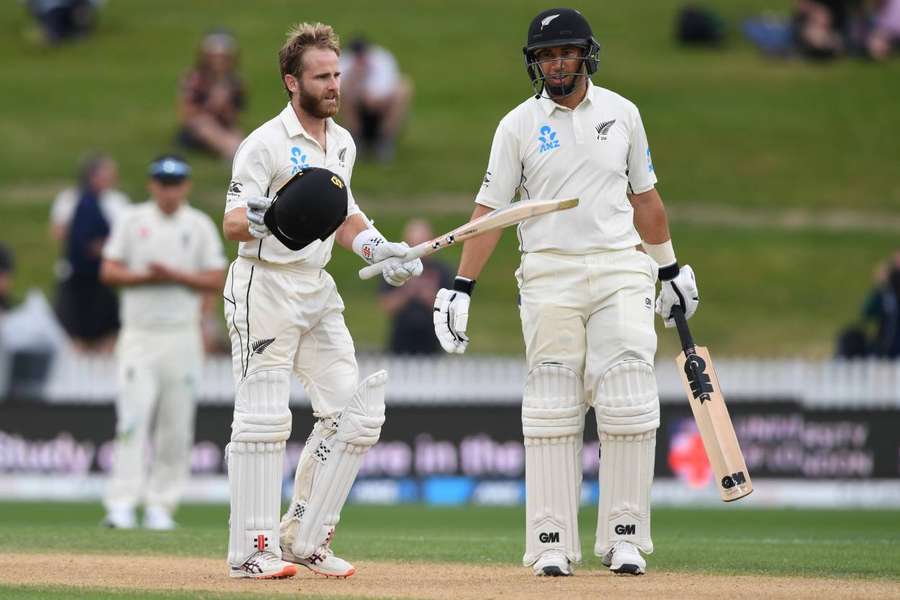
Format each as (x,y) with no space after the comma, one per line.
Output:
(597,152)
(186,240)
(268,158)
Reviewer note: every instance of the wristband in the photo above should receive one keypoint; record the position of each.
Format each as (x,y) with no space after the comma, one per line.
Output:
(668,272)
(464,285)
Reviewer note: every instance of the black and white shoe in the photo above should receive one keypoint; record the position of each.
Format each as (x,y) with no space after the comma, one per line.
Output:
(624,559)
(552,564)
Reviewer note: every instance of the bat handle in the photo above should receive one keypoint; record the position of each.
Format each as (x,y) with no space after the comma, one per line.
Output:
(684,332)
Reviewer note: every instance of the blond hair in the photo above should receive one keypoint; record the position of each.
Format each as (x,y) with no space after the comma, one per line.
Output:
(301,37)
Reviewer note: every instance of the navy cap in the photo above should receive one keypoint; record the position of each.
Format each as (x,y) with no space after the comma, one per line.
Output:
(170,168)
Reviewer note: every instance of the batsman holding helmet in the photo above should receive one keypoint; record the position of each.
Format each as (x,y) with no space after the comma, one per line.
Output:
(586,295)
(289,200)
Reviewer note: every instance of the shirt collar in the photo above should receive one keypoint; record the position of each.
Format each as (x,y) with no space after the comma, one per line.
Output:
(294,128)
(548,105)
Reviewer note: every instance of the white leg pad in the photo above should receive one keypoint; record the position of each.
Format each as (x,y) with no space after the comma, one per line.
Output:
(255,458)
(627,409)
(552,425)
(328,467)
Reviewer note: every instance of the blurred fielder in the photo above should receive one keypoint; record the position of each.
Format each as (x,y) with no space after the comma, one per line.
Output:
(586,295)
(285,315)
(165,255)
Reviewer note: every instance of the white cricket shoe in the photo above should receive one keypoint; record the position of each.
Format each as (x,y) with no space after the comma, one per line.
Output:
(552,563)
(322,562)
(624,559)
(264,565)
(158,519)
(120,518)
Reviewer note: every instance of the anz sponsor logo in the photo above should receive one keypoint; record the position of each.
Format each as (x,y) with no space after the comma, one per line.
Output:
(649,161)
(548,139)
(298,160)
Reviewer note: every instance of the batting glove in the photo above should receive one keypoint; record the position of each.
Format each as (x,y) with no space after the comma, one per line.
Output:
(373,248)
(256,211)
(451,315)
(679,288)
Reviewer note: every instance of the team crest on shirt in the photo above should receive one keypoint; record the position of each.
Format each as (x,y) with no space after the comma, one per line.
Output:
(603,129)
(298,160)
(548,139)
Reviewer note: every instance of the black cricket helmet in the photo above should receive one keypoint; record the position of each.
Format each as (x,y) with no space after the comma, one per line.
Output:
(310,206)
(560,27)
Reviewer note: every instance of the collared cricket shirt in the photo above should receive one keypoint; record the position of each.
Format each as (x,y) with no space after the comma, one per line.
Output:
(268,158)
(597,152)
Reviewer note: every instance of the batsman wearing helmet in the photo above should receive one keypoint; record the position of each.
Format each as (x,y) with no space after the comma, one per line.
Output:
(586,295)
(288,201)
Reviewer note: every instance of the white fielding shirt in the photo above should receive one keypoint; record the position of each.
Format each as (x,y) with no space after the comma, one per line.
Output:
(597,152)
(186,240)
(268,158)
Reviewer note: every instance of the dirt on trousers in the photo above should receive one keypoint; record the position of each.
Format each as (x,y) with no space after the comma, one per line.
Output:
(416,580)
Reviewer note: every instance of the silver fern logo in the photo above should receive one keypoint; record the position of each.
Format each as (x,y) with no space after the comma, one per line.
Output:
(259,346)
(547,20)
(603,129)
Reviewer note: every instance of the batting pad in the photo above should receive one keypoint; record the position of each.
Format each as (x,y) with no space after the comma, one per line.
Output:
(255,458)
(627,408)
(552,425)
(328,467)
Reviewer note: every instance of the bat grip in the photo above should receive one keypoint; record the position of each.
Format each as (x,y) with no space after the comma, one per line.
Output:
(684,332)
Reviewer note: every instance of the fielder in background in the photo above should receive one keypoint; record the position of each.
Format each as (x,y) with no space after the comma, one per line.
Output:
(165,255)
(285,315)
(586,295)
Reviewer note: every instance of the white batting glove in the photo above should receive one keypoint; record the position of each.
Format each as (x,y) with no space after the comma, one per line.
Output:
(256,210)
(373,248)
(681,289)
(451,315)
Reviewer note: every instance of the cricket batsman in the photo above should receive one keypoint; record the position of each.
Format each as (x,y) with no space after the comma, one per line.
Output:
(586,295)
(288,202)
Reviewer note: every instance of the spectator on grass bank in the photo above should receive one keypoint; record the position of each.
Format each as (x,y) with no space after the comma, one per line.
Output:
(883,39)
(410,307)
(211,98)
(165,255)
(375,98)
(882,312)
(81,219)
(63,20)
(7,266)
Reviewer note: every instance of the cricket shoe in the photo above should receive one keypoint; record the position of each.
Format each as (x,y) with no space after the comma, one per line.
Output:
(158,519)
(552,564)
(624,559)
(322,562)
(120,518)
(264,565)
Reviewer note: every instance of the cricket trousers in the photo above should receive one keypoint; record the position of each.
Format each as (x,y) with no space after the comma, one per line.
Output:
(158,371)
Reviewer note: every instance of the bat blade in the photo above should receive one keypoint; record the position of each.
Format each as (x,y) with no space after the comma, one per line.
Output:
(714,423)
(496,219)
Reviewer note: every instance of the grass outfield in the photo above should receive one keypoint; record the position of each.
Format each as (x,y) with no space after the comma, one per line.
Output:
(730,540)
(729,130)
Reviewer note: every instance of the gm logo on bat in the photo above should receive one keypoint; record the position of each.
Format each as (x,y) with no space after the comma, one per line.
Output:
(729,481)
(701,386)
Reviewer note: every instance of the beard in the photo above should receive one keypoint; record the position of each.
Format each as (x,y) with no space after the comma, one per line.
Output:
(565,87)
(319,106)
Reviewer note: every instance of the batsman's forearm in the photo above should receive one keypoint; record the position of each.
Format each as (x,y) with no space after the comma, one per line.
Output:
(650,218)
(476,251)
(349,229)
(236,227)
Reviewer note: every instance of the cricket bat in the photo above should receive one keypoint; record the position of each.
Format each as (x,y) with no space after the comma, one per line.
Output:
(708,405)
(496,219)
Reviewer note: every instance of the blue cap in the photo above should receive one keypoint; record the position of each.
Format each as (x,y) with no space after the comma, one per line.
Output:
(170,168)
